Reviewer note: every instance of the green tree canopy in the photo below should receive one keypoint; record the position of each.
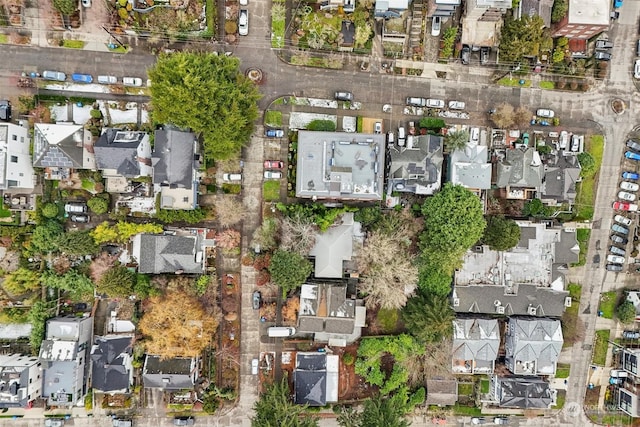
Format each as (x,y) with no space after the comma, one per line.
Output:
(207,94)
(380,411)
(66,7)
(21,281)
(50,210)
(39,312)
(559,10)
(501,233)
(98,205)
(587,163)
(275,409)
(77,285)
(45,237)
(77,243)
(322,125)
(289,270)
(626,312)
(520,37)
(432,280)
(456,140)
(429,318)
(117,282)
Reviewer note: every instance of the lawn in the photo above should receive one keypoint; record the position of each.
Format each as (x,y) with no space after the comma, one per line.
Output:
(563,370)
(582,234)
(484,386)
(4,212)
(600,347)
(273,118)
(271,190)
(585,198)
(470,411)
(562,394)
(4,38)
(570,316)
(73,44)
(508,81)
(575,291)
(546,84)
(608,304)
(465,389)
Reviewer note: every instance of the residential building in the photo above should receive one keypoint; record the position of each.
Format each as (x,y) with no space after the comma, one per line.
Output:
(482,22)
(561,175)
(584,20)
(628,395)
(177,373)
(441,392)
(470,168)
(175,168)
(521,392)
(20,381)
(327,312)
(416,168)
(476,342)
(63,355)
(111,364)
(61,148)
(167,253)
(533,345)
(315,378)
(17,170)
(541,8)
(334,247)
(122,155)
(382,7)
(519,171)
(340,166)
(444,7)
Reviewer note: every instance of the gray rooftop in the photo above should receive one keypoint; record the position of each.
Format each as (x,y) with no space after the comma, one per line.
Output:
(333,247)
(520,168)
(169,374)
(524,392)
(541,8)
(15,383)
(476,343)
(315,378)
(561,174)
(58,145)
(340,165)
(533,346)
(470,167)
(173,158)
(118,150)
(442,392)
(111,363)
(417,168)
(160,253)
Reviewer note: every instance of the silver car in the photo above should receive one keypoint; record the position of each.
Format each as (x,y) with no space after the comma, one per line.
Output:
(54,75)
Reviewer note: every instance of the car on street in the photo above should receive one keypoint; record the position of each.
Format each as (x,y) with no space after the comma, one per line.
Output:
(465,54)
(624,206)
(615,259)
(620,229)
(122,422)
(631,155)
(634,145)
(456,105)
(81,78)
(54,75)
(616,250)
(478,420)
(343,96)
(243,22)
(377,128)
(613,267)
(631,335)
(629,197)
(623,220)
(273,164)
(501,421)
(230,177)
(254,366)
(5,110)
(636,69)
(603,56)
(256,299)
(107,80)
(183,421)
(629,186)
(272,175)
(630,175)
(132,81)
(484,55)
(54,422)
(436,25)
(80,218)
(244,2)
(274,133)
(564,139)
(619,239)
(416,102)
(435,103)
(604,44)
(545,112)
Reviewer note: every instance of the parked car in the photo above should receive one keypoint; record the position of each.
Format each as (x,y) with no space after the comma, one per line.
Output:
(256,300)
(230,177)
(501,420)
(631,155)
(272,175)
(604,44)
(107,80)
(465,54)
(81,78)
(615,259)
(243,22)
(616,250)
(132,81)
(484,55)
(456,105)
(120,422)
(633,145)
(630,175)
(416,102)
(478,420)
(343,96)
(619,373)
(564,139)
(75,207)
(377,128)
(54,75)
(5,110)
(183,421)
(620,229)
(613,267)
(54,422)
(631,335)
(619,239)
(629,197)
(576,142)
(390,137)
(602,56)
(435,103)
(80,218)
(254,366)
(273,164)
(624,206)
(274,133)
(545,112)
(244,2)
(436,25)
(402,135)
(629,186)
(636,69)
(623,220)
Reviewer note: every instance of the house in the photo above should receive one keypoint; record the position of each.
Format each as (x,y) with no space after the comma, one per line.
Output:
(533,345)
(541,8)
(383,7)
(315,379)
(20,381)
(61,148)
(334,247)
(444,8)
(178,373)
(63,355)
(340,166)
(17,170)
(167,253)
(482,22)
(122,155)
(476,342)
(175,168)
(347,35)
(470,168)
(15,337)
(634,297)
(584,20)
(326,312)
(416,168)
(442,392)
(111,364)
(519,171)
(521,392)
(561,174)
(628,394)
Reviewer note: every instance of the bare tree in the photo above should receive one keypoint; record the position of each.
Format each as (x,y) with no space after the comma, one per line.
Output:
(435,362)
(522,116)
(229,210)
(503,115)
(100,265)
(297,235)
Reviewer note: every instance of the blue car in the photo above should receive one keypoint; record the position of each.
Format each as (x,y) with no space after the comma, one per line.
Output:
(631,155)
(617,4)
(81,78)
(630,175)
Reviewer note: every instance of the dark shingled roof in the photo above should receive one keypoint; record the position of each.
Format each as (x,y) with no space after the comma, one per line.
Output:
(169,374)
(107,360)
(173,158)
(167,254)
(524,392)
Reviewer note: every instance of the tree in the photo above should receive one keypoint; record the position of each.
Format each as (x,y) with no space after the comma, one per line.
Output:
(432,280)
(176,325)
(289,270)
(21,281)
(66,7)
(266,236)
(98,205)
(229,210)
(587,164)
(298,234)
(501,234)
(559,10)
(117,282)
(626,312)
(50,210)
(77,285)
(520,37)
(429,318)
(456,140)
(381,411)
(522,116)
(45,236)
(208,94)
(122,231)
(100,265)
(228,239)
(77,243)
(39,312)
(503,115)
(274,408)
(534,207)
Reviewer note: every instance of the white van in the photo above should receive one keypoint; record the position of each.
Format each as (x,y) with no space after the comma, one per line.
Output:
(618,373)
(390,137)
(75,207)
(281,331)
(229,177)
(401,136)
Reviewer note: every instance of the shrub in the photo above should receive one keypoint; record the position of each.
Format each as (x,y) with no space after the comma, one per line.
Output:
(348,359)
(95,114)
(50,210)
(98,205)
(230,27)
(322,125)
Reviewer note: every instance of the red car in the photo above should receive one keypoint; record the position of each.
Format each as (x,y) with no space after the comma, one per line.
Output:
(624,206)
(273,164)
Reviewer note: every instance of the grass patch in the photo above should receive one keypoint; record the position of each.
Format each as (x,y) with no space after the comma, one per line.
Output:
(271,190)
(388,319)
(560,398)
(359,121)
(73,44)
(607,305)
(470,411)
(4,38)
(575,291)
(484,386)
(600,347)
(231,188)
(584,199)
(277,24)
(570,317)
(88,184)
(508,81)
(546,84)
(4,212)
(465,389)
(563,370)
(273,118)
(582,235)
